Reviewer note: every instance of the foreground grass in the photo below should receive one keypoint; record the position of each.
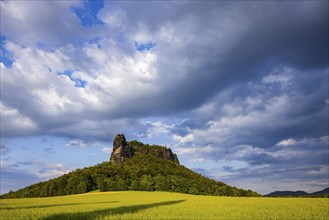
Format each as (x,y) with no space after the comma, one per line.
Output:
(162,205)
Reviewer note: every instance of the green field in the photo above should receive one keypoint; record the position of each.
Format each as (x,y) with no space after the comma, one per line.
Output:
(162,205)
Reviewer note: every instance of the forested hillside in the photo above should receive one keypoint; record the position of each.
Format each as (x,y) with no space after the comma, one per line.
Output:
(143,172)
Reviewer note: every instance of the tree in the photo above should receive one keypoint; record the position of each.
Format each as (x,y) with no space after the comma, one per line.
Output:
(121,185)
(81,187)
(103,185)
(135,185)
(146,183)
(161,183)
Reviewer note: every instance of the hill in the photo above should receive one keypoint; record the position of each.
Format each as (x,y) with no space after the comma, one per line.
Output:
(132,166)
(287,193)
(322,193)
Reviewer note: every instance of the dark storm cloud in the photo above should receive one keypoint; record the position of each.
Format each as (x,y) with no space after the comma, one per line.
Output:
(295,34)
(272,35)
(288,33)
(262,114)
(264,42)
(224,45)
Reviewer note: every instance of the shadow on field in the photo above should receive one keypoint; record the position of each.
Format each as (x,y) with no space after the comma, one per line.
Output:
(53,205)
(111,211)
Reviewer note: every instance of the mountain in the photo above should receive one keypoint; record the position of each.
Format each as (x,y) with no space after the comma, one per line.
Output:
(132,166)
(322,193)
(287,193)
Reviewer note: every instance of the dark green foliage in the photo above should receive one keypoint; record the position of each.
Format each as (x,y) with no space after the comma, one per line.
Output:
(153,150)
(145,171)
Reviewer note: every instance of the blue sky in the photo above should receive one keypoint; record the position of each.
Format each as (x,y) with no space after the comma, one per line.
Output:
(239,90)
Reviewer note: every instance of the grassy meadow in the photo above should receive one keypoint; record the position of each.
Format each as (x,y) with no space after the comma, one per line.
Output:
(162,205)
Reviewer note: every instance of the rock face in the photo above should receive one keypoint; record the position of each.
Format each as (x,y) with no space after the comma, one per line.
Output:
(121,150)
(167,154)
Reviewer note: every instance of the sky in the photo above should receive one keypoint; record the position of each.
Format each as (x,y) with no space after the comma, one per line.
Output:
(237,89)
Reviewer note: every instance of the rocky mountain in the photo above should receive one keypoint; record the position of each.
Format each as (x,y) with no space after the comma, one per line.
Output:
(133,166)
(122,151)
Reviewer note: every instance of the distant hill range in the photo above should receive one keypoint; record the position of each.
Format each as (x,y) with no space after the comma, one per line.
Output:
(132,166)
(322,193)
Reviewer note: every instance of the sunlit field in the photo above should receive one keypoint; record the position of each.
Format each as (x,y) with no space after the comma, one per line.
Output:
(162,205)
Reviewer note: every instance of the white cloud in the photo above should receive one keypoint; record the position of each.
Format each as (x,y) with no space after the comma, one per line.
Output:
(196,154)
(316,141)
(276,78)
(15,122)
(38,168)
(49,171)
(280,74)
(77,143)
(53,24)
(157,128)
(54,102)
(287,142)
(183,139)
(114,18)
(107,150)
(110,85)
(229,128)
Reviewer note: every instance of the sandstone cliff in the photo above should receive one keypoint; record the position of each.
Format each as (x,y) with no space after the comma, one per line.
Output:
(123,151)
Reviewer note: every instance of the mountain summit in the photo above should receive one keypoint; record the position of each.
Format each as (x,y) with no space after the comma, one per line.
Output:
(123,151)
(132,166)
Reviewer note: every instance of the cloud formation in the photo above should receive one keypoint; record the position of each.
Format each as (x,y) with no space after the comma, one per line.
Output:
(23,173)
(219,81)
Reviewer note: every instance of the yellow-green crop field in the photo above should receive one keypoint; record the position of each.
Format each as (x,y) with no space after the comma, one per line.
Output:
(162,205)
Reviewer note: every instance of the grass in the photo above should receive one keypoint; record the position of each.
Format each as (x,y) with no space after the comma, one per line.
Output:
(162,205)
